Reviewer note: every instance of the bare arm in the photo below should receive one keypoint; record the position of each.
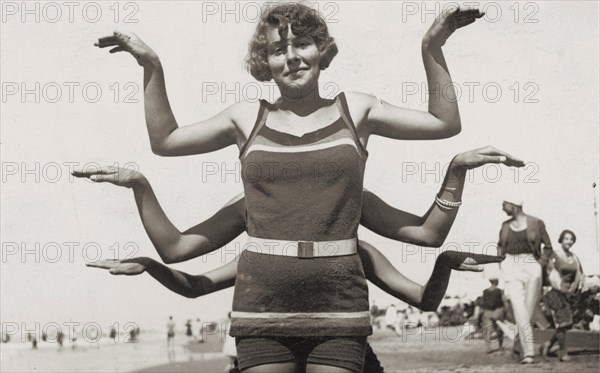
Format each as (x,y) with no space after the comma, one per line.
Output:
(166,137)
(175,246)
(547,252)
(577,281)
(384,275)
(433,227)
(190,286)
(499,248)
(442,119)
(172,245)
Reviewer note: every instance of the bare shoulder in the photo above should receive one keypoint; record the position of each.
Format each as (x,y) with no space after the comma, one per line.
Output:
(244,111)
(359,105)
(244,114)
(507,222)
(360,100)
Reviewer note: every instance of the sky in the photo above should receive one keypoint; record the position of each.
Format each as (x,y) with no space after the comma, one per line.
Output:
(527,81)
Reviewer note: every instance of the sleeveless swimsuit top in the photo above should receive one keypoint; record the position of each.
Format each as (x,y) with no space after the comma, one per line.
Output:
(304,188)
(568,270)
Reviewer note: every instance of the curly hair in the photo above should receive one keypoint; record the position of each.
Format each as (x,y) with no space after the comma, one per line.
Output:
(304,21)
(564,233)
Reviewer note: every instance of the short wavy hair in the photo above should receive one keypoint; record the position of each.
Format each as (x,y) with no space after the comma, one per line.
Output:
(564,233)
(304,21)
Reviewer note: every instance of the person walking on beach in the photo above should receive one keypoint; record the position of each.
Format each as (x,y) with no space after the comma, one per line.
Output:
(200,329)
(59,338)
(170,329)
(492,304)
(170,336)
(522,238)
(562,292)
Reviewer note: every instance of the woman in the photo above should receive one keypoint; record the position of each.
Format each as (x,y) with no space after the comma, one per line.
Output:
(174,246)
(272,315)
(521,240)
(563,291)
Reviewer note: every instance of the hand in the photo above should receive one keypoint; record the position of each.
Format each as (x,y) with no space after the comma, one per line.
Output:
(115,175)
(128,267)
(129,43)
(464,261)
(479,157)
(448,22)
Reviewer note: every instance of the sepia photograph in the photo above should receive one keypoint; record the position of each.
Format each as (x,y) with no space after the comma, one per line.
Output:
(300,186)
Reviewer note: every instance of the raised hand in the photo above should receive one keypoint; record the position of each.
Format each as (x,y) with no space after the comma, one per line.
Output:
(110,174)
(465,261)
(479,157)
(129,43)
(448,22)
(128,267)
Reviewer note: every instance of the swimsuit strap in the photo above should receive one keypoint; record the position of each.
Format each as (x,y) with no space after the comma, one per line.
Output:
(261,118)
(345,113)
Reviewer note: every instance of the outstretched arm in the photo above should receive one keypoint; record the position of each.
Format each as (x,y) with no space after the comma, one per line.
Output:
(172,245)
(442,119)
(384,275)
(432,228)
(190,286)
(166,137)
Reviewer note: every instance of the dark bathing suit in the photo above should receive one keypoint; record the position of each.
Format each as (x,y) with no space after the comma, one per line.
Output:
(306,188)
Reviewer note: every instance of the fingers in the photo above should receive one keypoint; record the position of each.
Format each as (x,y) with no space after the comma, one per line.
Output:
(486,259)
(470,268)
(103,264)
(117,49)
(90,171)
(104,178)
(107,43)
(460,18)
(457,258)
(493,158)
(118,271)
(510,160)
(118,38)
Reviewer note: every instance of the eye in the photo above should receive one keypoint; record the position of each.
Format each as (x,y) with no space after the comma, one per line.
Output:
(302,44)
(277,51)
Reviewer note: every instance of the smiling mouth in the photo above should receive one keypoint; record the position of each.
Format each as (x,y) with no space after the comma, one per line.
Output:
(295,71)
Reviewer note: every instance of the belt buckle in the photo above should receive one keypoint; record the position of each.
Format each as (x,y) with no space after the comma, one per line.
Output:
(306,249)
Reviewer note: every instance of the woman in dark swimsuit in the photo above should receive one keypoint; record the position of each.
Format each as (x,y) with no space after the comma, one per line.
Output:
(307,226)
(228,223)
(563,292)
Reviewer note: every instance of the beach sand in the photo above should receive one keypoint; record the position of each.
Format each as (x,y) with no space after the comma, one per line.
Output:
(436,350)
(442,351)
(439,350)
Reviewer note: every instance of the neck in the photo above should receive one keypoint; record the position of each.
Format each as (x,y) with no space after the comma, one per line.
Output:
(300,99)
(519,215)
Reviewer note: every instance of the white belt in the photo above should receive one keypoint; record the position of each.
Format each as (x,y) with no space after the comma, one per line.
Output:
(302,249)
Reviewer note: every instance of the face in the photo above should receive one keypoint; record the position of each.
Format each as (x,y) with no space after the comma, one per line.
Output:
(294,62)
(567,241)
(508,208)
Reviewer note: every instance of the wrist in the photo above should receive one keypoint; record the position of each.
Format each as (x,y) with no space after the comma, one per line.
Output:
(140,183)
(454,166)
(148,263)
(429,43)
(153,61)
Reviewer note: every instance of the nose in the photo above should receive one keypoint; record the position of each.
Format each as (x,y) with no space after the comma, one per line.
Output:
(292,55)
